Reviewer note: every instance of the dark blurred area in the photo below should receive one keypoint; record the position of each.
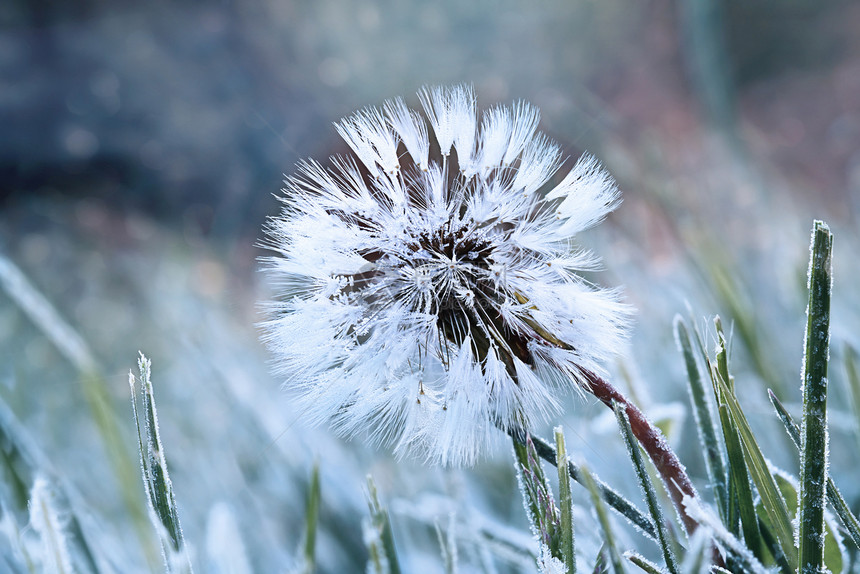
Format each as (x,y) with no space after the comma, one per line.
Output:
(190,112)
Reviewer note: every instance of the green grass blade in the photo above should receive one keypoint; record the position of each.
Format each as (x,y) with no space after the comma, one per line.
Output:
(647,488)
(311,519)
(156,480)
(772,545)
(722,354)
(605,524)
(565,502)
(545,516)
(834,497)
(813,452)
(720,368)
(773,503)
(733,511)
(383,554)
(704,422)
(853,381)
(789,487)
(536,495)
(644,564)
(788,422)
(612,498)
(741,487)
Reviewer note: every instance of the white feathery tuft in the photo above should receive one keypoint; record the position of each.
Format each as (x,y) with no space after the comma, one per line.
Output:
(428,303)
(411,129)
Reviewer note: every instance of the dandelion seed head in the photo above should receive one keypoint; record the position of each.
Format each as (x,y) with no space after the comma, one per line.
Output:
(429,301)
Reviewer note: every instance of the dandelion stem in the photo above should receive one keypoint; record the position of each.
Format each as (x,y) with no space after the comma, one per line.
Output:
(673,473)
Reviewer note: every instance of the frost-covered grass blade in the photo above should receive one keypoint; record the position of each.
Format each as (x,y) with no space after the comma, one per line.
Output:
(647,488)
(643,563)
(448,545)
(378,536)
(704,421)
(544,515)
(837,501)
(603,518)
(311,518)
(789,487)
(46,523)
(156,480)
(814,447)
(773,503)
(852,372)
(742,497)
(565,502)
(19,464)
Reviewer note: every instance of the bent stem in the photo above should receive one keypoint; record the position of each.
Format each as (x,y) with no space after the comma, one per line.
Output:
(672,472)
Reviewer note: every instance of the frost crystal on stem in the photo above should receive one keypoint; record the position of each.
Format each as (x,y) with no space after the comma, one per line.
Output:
(428,301)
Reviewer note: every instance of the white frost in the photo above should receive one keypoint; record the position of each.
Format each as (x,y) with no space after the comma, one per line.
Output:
(50,526)
(432,303)
(549,564)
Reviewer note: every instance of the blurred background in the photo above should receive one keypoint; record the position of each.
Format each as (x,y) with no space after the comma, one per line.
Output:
(141,147)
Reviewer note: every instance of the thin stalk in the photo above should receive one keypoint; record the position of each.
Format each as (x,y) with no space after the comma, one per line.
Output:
(834,497)
(647,488)
(704,422)
(311,519)
(643,563)
(606,526)
(566,503)
(813,452)
(742,491)
(383,555)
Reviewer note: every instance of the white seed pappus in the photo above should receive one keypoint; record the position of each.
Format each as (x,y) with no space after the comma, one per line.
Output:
(429,301)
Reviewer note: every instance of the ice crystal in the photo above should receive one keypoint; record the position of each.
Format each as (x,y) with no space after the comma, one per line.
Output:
(428,301)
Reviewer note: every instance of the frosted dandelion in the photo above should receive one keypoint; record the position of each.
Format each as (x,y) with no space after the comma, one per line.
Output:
(429,303)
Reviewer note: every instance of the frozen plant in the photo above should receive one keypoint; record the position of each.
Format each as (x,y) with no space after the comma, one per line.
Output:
(430,303)
(46,521)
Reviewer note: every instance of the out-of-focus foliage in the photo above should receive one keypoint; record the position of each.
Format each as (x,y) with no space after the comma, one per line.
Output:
(139,149)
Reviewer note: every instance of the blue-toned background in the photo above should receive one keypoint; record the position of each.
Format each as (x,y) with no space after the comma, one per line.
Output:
(141,145)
